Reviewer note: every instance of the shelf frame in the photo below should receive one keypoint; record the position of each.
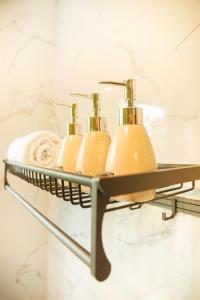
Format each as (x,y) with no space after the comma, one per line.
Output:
(103,189)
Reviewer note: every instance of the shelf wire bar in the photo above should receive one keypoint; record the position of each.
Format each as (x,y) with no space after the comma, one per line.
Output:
(73,193)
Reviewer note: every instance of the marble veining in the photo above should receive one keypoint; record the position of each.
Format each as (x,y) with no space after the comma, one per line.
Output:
(136,64)
(151,236)
(187,37)
(13,22)
(27,39)
(139,41)
(27,268)
(24,104)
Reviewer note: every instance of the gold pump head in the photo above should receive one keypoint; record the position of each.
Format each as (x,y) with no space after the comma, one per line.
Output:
(73,128)
(128,114)
(95,122)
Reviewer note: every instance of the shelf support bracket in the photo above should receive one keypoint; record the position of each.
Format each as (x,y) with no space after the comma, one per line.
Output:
(100,265)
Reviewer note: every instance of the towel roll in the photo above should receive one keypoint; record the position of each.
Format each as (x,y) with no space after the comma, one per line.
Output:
(39,149)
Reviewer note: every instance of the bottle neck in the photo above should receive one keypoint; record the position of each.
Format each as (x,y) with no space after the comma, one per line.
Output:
(96,124)
(73,129)
(130,116)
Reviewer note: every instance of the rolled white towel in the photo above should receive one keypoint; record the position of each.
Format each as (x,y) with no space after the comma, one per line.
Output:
(39,148)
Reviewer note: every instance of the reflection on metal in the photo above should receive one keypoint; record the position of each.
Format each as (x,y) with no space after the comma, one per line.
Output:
(169,181)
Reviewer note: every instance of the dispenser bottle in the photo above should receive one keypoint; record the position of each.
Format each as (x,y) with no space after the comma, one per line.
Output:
(94,148)
(71,143)
(131,150)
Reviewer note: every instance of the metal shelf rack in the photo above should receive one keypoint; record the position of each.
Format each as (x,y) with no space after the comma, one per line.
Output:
(169,182)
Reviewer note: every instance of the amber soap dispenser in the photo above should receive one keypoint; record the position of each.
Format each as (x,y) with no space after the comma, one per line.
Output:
(94,148)
(71,143)
(131,150)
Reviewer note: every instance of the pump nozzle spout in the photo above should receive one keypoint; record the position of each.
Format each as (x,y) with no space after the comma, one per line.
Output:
(95,101)
(129,114)
(129,89)
(95,122)
(72,127)
(73,110)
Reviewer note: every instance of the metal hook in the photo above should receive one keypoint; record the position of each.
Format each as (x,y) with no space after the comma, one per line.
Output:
(174,211)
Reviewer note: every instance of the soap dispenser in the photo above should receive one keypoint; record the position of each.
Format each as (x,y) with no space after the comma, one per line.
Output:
(71,143)
(131,151)
(94,148)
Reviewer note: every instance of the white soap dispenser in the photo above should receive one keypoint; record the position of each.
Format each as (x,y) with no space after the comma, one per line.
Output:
(131,150)
(71,143)
(94,148)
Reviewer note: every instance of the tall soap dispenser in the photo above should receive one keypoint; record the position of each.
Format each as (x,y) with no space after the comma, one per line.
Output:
(71,143)
(131,150)
(94,148)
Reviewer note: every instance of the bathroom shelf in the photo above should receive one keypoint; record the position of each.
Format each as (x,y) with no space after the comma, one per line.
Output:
(169,181)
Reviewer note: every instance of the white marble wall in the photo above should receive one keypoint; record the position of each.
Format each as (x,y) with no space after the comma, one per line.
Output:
(50,48)
(158,44)
(27,47)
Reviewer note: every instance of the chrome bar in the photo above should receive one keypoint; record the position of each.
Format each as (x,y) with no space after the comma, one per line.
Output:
(71,244)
